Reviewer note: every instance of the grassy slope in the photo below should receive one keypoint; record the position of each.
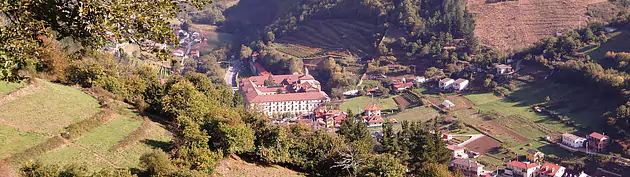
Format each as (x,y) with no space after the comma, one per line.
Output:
(618,42)
(13,141)
(48,110)
(32,118)
(94,149)
(358,103)
(420,114)
(529,96)
(8,87)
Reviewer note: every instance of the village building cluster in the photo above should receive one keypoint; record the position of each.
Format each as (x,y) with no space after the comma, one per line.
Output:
(594,142)
(293,94)
(454,85)
(533,167)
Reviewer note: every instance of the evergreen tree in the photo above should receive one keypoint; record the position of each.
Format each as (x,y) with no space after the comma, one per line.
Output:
(353,130)
(388,143)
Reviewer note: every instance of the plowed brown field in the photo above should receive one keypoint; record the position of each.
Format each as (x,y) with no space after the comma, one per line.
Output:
(518,24)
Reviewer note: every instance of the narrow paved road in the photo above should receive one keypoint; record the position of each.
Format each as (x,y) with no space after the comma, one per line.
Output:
(230,73)
(472,138)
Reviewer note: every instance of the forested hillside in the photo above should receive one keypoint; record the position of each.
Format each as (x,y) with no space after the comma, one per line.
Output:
(410,32)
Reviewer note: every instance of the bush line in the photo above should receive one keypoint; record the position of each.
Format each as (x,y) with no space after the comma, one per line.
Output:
(80,128)
(36,151)
(133,136)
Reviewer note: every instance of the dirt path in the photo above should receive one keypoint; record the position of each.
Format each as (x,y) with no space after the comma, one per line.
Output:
(29,89)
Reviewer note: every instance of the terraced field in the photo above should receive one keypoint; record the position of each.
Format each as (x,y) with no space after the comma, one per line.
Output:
(335,34)
(517,24)
(8,87)
(31,122)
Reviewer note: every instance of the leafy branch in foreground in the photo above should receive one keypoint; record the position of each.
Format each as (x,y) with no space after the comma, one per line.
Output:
(92,23)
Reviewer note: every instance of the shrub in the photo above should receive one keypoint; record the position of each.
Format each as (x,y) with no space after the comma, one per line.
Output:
(37,150)
(78,129)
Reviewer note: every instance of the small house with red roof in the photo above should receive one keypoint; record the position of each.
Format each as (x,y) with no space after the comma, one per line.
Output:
(371,110)
(178,53)
(524,169)
(551,170)
(194,53)
(332,117)
(446,135)
(503,69)
(372,116)
(597,141)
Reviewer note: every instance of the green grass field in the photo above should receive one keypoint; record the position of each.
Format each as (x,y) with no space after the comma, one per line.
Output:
(420,114)
(357,104)
(13,141)
(95,149)
(8,87)
(617,42)
(48,110)
(490,103)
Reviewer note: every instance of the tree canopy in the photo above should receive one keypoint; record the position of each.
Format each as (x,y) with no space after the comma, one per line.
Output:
(91,23)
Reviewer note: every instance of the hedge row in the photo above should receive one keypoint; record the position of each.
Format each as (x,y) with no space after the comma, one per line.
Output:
(133,136)
(36,151)
(80,128)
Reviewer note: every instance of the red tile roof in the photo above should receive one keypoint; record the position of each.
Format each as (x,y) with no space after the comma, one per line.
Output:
(372,107)
(598,136)
(454,147)
(522,165)
(549,168)
(253,93)
(290,97)
(261,70)
(403,85)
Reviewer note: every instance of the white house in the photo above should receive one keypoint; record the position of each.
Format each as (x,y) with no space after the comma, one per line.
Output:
(460,84)
(503,69)
(524,169)
(446,83)
(420,79)
(573,140)
(458,152)
(467,167)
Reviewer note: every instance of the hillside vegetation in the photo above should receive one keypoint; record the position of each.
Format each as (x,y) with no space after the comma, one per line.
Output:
(38,117)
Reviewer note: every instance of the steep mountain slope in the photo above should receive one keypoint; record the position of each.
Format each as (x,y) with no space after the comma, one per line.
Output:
(518,24)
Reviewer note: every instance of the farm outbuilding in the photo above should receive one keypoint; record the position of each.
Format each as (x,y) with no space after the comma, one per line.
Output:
(447,104)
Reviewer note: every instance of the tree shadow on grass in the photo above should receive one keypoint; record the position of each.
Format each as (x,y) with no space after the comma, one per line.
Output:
(163,145)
